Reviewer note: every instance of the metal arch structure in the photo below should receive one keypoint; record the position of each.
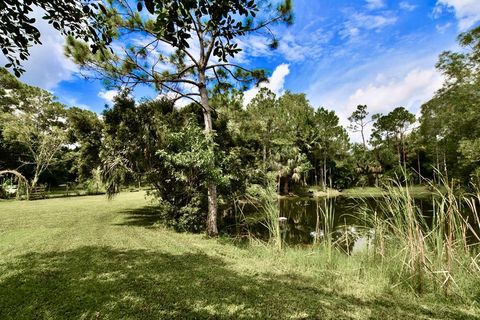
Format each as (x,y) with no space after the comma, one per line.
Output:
(19,176)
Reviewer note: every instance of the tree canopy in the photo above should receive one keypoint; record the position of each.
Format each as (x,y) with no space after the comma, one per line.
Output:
(449,121)
(201,158)
(71,17)
(181,48)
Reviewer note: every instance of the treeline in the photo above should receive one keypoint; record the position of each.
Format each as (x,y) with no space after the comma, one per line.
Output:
(44,140)
(282,138)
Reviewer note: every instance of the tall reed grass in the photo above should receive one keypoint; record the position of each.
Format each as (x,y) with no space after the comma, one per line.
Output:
(265,201)
(324,228)
(427,252)
(433,251)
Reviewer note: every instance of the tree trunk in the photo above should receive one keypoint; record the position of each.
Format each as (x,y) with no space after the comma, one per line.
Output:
(211,186)
(264,157)
(399,153)
(325,172)
(212,210)
(34,182)
(445,165)
(285,186)
(363,138)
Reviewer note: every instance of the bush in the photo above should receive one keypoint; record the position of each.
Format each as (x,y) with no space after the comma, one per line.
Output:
(94,185)
(190,216)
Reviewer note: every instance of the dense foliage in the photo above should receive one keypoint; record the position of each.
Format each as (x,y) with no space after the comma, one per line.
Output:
(155,144)
(71,17)
(449,122)
(43,139)
(181,48)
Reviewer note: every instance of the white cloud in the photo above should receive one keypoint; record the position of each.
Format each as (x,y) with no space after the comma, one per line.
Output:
(291,50)
(407,6)
(350,32)
(295,49)
(441,28)
(277,80)
(257,46)
(252,46)
(72,102)
(385,92)
(275,83)
(417,85)
(47,64)
(467,12)
(373,22)
(359,21)
(179,102)
(375,4)
(108,95)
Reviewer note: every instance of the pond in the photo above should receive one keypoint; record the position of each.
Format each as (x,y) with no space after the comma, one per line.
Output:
(302,219)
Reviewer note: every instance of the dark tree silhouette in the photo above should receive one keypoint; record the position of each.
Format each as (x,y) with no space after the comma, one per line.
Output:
(71,17)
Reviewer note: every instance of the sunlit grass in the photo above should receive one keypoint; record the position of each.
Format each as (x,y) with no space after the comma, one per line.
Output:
(415,190)
(90,258)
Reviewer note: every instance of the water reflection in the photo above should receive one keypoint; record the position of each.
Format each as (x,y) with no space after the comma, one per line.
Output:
(306,223)
(308,220)
(339,220)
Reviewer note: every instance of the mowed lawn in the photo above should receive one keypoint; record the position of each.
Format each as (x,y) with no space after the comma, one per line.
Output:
(90,258)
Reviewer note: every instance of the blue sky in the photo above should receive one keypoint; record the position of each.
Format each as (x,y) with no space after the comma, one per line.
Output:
(339,52)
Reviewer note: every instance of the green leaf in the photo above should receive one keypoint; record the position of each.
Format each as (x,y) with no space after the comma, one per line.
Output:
(150,5)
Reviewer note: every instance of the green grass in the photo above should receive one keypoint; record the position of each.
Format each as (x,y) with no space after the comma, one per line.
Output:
(89,258)
(357,192)
(416,191)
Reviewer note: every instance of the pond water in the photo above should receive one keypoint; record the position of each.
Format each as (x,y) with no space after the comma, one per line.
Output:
(301,214)
(302,220)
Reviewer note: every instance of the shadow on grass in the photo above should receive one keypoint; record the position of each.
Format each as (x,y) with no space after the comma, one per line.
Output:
(142,217)
(104,283)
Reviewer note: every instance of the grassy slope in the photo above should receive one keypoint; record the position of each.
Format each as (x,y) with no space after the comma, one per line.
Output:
(89,258)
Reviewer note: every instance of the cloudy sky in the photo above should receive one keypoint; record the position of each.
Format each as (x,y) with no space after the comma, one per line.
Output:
(341,53)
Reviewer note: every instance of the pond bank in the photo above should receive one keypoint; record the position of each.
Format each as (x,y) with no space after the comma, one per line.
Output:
(317,192)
